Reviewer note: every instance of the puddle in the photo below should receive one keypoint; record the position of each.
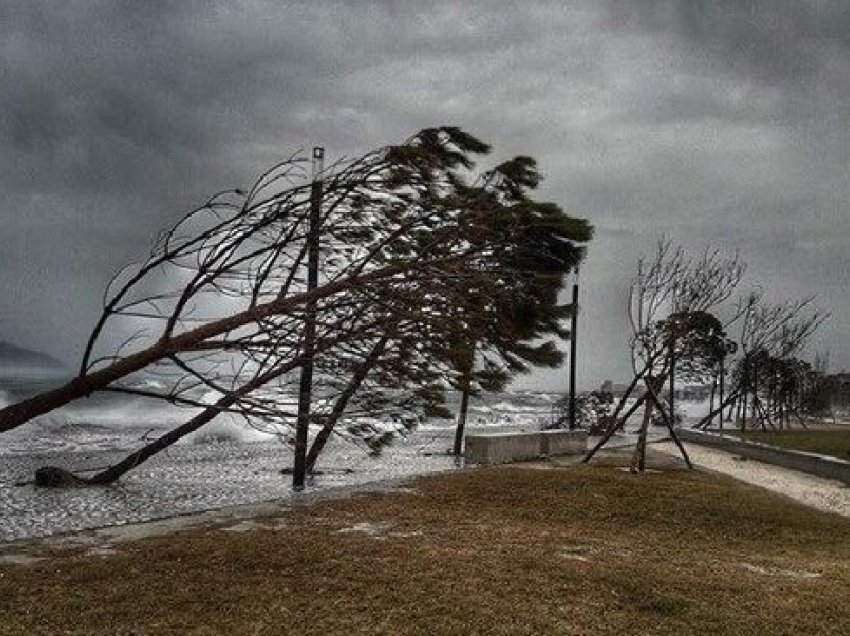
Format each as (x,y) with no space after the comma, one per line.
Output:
(587,553)
(577,553)
(770,571)
(18,559)
(249,525)
(379,530)
(375,530)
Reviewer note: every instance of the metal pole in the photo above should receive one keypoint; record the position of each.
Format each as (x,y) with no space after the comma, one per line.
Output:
(299,469)
(672,378)
(573,341)
(722,386)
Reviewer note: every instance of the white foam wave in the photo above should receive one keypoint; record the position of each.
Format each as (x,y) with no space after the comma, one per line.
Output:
(227,428)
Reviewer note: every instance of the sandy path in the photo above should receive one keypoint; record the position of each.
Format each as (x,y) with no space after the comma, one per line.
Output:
(824,494)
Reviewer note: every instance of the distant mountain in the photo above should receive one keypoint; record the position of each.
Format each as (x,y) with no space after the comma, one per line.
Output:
(15,360)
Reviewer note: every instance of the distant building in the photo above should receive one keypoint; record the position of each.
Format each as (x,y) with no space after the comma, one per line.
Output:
(692,393)
(619,390)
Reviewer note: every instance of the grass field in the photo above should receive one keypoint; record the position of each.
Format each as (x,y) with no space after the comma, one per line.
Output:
(833,443)
(573,550)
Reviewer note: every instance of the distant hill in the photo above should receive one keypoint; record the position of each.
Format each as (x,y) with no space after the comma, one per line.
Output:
(15,360)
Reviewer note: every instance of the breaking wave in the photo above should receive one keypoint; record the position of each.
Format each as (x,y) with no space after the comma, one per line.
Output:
(115,423)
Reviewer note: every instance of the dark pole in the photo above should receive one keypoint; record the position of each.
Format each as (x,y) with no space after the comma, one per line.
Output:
(461,418)
(306,385)
(573,341)
(672,401)
(722,379)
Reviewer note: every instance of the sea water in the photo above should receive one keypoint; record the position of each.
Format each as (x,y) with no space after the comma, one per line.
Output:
(228,462)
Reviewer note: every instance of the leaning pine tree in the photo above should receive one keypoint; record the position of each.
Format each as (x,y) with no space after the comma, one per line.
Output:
(505,326)
(222,302)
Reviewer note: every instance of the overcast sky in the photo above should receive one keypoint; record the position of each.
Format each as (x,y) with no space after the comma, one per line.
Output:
(720,122)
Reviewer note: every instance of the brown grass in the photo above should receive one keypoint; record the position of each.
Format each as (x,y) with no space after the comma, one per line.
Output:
(583,550)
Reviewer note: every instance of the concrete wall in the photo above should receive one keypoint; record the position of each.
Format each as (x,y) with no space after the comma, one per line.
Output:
(562,442)
(503,448)
(820,465)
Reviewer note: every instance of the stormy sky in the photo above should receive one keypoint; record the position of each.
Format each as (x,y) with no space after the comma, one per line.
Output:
(719,122)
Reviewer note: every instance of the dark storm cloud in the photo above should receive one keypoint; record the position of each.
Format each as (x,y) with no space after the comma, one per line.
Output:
(105,92)
(718,121)
(774,41)
(114,96)
(727,128)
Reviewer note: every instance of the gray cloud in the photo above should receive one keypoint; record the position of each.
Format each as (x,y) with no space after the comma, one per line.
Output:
(718,121)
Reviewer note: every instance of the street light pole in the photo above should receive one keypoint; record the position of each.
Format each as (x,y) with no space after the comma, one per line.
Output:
(302,425)
(672,399)
(573,346)
(722,386)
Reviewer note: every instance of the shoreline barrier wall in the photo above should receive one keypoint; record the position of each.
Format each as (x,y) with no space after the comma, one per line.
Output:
(505,448)
(812,463)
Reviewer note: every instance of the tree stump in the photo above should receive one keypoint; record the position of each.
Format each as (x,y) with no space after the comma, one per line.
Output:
(54,477)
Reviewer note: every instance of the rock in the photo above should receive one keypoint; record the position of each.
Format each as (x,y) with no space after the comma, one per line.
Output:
(54,477)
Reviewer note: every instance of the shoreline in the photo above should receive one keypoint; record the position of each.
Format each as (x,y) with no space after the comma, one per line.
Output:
(102,541)
(191,479)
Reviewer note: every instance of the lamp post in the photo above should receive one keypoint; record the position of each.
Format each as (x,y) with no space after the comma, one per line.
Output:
(672,397)
(305,392)
(729,348)
(573,345)
(676,324)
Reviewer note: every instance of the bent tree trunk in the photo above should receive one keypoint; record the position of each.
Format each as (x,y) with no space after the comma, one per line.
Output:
(614,425)
(466,382)
(84,385)
(706,421)
(639,456)
(461,420)
(342,402)
(668,421)
(133,460)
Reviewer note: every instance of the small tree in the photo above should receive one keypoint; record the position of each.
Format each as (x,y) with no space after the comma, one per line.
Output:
(772,336)
(670,306)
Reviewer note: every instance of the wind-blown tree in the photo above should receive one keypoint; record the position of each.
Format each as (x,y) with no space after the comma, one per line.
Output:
(506,324)
(671,304)
(772,336)
(785,387)
(818,392)
(698,343)
(505,302)
(221,302)
(592,407)
(229,276)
